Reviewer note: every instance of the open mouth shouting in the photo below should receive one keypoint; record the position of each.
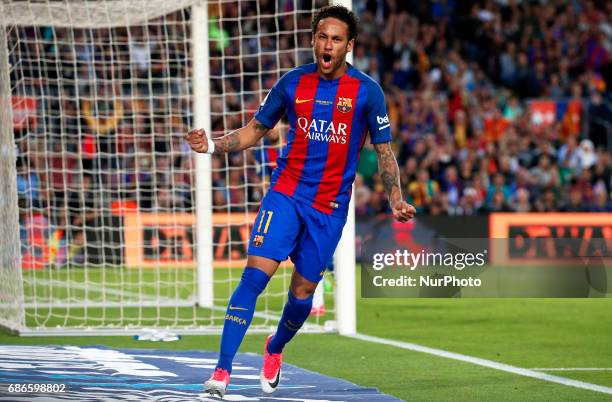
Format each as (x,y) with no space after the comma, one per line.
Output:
(327,61)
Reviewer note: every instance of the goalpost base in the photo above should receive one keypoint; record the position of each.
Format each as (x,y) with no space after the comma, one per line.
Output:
(9,330)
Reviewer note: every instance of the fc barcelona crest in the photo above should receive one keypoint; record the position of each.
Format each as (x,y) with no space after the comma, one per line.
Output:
(258,240)
(344,105)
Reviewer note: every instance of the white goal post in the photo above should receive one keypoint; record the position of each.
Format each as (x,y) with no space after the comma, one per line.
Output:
(109,224)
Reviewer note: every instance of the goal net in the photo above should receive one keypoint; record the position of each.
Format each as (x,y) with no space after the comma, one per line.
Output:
(100,213)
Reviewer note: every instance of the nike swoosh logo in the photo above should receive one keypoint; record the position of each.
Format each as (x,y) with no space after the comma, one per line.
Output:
(275,383)
(236,308)
(298,100)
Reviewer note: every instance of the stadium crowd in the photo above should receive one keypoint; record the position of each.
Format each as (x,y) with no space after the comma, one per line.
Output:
(102,111)
(462,81)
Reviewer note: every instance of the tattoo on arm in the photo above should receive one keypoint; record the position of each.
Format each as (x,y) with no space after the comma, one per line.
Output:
(232,141)
(389,181)
(227,143)
(387,165)
(260,129)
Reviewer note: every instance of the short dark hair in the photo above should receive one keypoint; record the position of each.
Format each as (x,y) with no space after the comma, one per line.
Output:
(339,12)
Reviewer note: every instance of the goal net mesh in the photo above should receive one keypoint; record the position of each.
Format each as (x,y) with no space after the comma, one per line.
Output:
(101,97)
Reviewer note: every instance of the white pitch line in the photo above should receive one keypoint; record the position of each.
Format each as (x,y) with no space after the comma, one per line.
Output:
(485,363)
(574,369)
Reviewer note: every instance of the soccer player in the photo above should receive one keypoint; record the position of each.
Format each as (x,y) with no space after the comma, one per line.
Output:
(331,106)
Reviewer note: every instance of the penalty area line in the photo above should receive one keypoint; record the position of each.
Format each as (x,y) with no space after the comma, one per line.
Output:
(485,363)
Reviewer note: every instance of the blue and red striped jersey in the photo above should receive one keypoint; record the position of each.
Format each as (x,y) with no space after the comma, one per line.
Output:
(328,121)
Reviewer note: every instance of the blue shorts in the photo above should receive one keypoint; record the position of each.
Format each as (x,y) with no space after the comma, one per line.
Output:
(286,227)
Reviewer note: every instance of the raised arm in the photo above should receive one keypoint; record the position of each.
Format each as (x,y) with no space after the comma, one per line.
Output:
(389,173)
(237,140)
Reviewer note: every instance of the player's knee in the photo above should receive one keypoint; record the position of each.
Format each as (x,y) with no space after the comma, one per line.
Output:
(303,290)
(254,279)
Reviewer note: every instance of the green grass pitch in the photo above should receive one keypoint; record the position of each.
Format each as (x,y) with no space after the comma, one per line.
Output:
(528,333)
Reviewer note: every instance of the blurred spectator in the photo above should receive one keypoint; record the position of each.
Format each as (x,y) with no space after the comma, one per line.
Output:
(522,203)
(422,190)
(368,163)
(586,155)
(82,213)
(499,186)
(545,173)
(28,186)
(362,197)
(575,203)
(497,203)
(602,202)
(451,185)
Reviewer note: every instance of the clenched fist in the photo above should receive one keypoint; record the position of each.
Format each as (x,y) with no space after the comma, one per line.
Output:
(402,211)
(197,140)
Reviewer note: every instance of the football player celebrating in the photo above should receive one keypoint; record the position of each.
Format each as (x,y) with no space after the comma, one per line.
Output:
(331,106)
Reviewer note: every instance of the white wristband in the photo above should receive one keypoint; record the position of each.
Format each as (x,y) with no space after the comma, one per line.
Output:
(211,146)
